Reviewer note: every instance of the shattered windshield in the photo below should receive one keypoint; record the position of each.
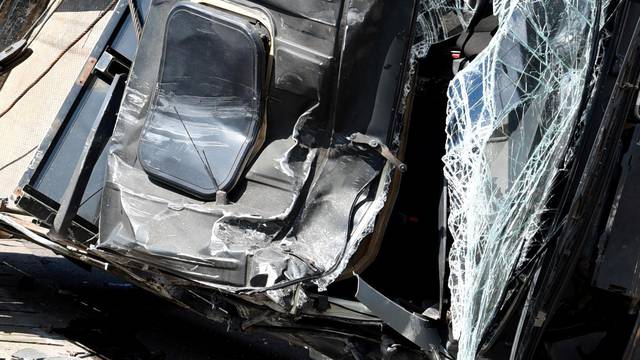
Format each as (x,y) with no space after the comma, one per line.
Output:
(510,117)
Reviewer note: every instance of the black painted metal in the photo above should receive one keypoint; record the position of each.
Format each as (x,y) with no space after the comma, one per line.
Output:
(94,146)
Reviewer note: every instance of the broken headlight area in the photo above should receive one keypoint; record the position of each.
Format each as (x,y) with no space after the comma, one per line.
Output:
(252,164)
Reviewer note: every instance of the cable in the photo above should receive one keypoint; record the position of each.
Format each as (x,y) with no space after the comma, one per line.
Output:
(17,159)
(46,14)
(333,267)
(55,61)
(135,18)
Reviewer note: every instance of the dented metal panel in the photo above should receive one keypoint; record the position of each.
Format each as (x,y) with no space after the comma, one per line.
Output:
(310,195)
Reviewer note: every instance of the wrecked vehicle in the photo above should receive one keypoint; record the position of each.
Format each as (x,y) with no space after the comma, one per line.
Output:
(371,179)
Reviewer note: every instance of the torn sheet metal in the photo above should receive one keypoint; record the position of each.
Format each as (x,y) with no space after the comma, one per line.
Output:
(510,115)
(308,197)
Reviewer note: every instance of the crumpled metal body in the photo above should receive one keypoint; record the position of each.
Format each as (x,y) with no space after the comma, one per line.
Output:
(310,195)
(306,201)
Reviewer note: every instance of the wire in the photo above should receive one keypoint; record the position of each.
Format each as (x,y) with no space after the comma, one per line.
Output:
(135,18)
(51,8)
(55,61)
(17,159)
(333,267)
(205,161)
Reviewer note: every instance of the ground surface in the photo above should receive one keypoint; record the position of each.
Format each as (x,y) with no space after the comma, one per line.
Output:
(24,126)
(53,306)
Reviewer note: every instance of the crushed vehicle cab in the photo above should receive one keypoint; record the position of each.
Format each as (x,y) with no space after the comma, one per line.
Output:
(368,178)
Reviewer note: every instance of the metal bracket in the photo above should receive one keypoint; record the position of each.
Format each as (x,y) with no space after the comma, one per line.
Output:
(109,65)
(412,326)
(358,138)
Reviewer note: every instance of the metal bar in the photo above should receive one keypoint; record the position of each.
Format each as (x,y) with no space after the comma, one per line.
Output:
(95,144)
(410,325)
